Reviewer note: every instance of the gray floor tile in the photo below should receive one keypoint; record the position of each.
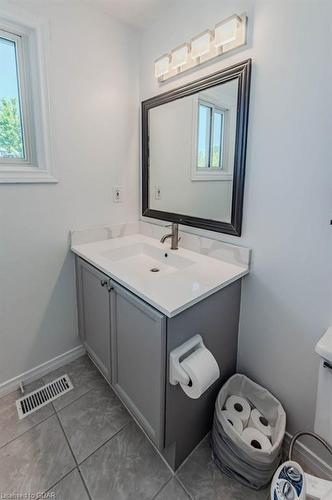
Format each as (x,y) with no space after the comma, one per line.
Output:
(10,425)
(203,480)
(172,491)
(126,468)
(36,460)
(70,488)
(84,376)
(92,420)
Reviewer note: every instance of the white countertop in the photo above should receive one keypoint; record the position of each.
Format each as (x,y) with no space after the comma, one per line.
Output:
(184,277)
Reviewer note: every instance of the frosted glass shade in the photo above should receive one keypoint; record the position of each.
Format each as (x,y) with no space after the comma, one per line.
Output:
(200,45)
(226,31)
(226,36)
(162,66)
(180,56)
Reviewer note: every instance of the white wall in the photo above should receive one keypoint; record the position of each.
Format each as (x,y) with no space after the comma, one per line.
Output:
(286,304)
(94,89)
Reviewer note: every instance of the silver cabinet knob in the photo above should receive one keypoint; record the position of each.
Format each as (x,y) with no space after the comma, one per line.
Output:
(107,283)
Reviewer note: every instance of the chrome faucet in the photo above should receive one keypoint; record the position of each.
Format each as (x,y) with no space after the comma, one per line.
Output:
(174,235)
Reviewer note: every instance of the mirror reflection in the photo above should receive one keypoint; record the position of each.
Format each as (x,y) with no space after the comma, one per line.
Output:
(191,153)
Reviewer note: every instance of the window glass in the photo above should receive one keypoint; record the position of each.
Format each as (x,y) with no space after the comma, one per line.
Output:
(210,136)
(11,135)
(204,126)
(216,153)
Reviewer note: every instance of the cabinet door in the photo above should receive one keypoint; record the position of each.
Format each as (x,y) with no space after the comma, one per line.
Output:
(94,315)
(138,360)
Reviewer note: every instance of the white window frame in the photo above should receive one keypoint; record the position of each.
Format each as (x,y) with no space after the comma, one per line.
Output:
(208,173)
(31,41)
(23,103)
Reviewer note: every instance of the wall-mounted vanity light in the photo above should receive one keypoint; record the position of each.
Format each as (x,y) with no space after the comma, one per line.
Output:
(227,35)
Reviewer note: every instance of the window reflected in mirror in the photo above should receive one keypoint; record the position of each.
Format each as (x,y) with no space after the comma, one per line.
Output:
(191,145)
(210,136)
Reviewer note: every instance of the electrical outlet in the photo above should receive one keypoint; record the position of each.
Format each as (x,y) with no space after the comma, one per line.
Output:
(157,193)
(117,194)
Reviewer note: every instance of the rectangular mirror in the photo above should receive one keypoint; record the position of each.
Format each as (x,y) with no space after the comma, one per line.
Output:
(194,147)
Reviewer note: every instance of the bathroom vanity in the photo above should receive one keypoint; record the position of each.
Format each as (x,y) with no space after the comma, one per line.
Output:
(137,301)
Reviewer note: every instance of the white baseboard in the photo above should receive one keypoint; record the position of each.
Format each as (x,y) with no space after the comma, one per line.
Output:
(43,369)
(310,462)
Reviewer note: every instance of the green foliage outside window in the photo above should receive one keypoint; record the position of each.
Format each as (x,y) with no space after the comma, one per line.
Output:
(11,141)
(215,158)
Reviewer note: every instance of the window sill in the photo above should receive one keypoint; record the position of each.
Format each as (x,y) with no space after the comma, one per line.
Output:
(32,177)
(211,176)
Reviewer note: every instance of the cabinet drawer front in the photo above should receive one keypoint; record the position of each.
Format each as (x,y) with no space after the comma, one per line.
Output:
(138,361)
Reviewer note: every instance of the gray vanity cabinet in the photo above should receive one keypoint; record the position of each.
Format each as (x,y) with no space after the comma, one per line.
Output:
(138,360)
(130,342)
(94,314)
(126,338)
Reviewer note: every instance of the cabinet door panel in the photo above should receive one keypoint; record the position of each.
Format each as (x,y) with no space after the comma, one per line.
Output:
(95,316)
(138,360)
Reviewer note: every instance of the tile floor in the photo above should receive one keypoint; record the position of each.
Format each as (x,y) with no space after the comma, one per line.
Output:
(86,446)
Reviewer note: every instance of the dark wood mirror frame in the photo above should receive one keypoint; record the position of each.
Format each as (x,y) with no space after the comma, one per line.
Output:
(241,72)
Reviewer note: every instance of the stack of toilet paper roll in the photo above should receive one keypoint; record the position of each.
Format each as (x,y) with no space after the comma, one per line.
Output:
(250,424)
(244,446)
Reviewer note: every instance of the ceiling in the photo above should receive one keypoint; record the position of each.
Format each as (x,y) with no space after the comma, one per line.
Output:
(139,13)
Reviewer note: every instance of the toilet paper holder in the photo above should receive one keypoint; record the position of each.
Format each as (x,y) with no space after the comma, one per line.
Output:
(177,375)
(328,365)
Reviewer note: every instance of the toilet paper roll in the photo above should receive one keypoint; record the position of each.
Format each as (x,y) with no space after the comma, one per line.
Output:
(256,439)
(233,420)
(240,407)
(202,369)
(259,422)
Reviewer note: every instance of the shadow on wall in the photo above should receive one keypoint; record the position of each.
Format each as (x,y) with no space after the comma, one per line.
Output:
(281,352)
(57,331)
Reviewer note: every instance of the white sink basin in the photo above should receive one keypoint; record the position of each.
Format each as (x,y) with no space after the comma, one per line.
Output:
(145,259)
(169,280)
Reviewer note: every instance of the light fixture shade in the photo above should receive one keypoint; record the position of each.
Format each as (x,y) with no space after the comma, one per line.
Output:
(162,66)
(200,45)
(227,35)
(226,31)
(180,56)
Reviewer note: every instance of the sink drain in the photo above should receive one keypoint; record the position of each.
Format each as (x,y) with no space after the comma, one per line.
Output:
(155,270)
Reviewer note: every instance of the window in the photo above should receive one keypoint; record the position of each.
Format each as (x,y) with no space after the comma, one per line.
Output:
(12,138)
(210,137)
(25,146)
